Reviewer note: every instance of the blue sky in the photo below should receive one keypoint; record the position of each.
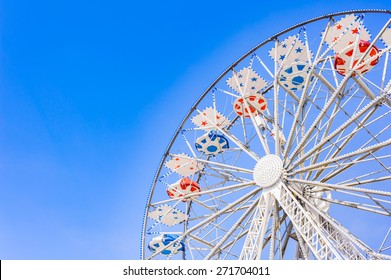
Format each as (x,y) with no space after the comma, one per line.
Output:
(90,95)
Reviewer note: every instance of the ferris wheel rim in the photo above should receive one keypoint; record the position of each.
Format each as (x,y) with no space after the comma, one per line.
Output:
(218,79)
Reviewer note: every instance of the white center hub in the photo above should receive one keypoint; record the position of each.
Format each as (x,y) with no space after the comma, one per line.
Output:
(268,171)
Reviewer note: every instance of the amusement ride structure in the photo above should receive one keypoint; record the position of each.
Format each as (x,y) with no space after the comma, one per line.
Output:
(287,154)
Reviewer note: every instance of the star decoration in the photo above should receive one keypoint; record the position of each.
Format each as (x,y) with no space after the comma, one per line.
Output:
(168,215)
(289,50)
(186,166)
(209,118)
(246,79)
(346,29)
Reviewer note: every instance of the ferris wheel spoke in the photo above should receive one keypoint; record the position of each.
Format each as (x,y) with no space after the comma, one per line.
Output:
(293,95)
(227,92)
(220,198)
(383,79)
(244,128)
(198,239)
(346,140)
(325,163)
(324,81)
(383,246)
(359,81)
(332,69)
(209,162)
(355,205)
(347,163)
(220,174)
(378,204)
(370,174)
(229,233)
(338,171)
(202,204)
(365,82)
(286,110)
(188,145)
(201,217)
(313,99)
(347,166)
(340,187)
(222,189)
(216,228)
(357,182)
(339,167)
(262,63)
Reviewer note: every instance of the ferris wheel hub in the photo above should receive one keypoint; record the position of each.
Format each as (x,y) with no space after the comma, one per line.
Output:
(268,171)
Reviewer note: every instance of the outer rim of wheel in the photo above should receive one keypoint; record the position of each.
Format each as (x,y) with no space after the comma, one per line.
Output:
(212,85)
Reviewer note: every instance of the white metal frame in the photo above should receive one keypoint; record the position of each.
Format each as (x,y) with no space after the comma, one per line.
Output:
(337,157)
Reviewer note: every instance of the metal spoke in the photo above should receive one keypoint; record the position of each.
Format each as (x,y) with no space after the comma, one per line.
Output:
(325,163)
(339,187)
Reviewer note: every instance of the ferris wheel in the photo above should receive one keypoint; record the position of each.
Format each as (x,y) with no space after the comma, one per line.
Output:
(287,154)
